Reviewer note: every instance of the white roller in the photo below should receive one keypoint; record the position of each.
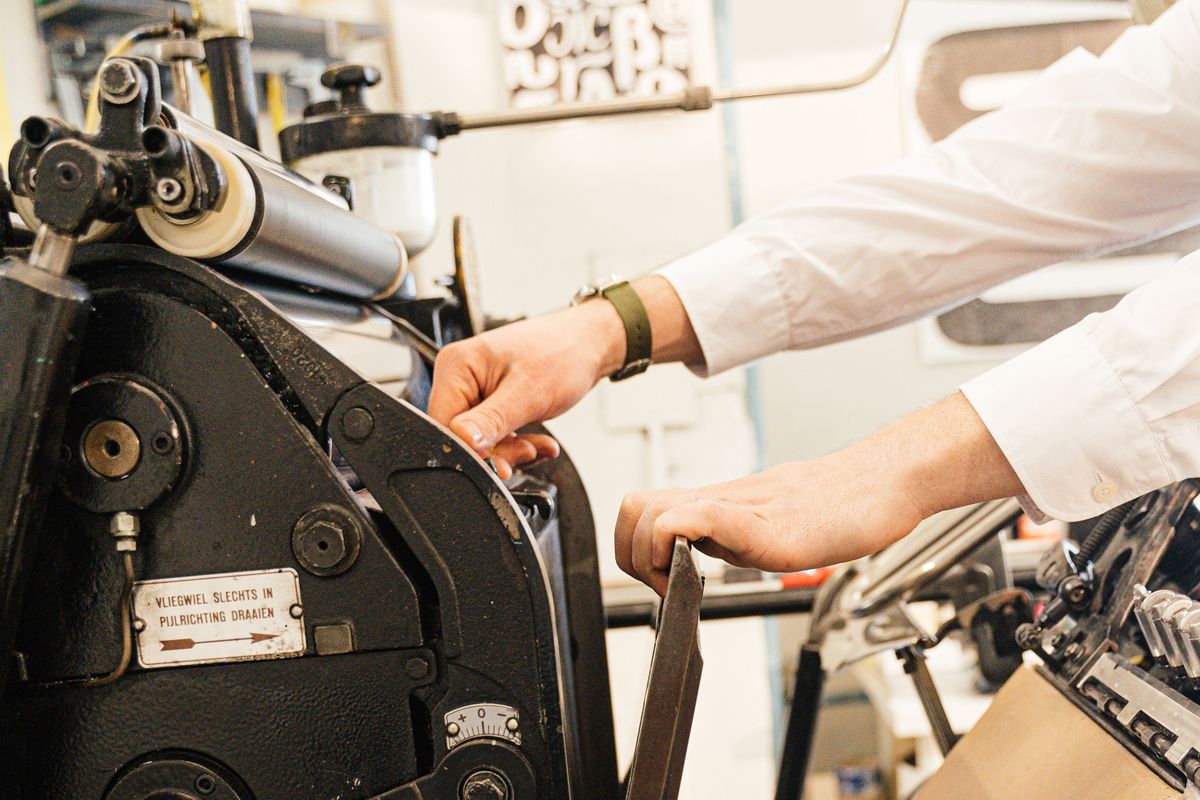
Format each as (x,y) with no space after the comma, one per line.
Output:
(214,233)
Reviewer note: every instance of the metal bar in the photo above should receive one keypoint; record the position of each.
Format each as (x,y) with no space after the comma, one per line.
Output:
(931,700)
(672,686)
(871,71)
(235,102)
(696,98)
(801,724)
(717,606)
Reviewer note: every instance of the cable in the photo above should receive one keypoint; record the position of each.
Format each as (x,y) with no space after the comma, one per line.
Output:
(1104,530)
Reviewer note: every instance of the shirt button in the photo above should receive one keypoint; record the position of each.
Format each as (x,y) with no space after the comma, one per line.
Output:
(1104,491)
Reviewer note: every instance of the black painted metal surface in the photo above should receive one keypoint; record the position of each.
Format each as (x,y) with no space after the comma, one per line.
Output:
(42,317)
(448,574)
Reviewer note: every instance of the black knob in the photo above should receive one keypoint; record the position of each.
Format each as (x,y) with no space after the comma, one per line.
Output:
(350,80)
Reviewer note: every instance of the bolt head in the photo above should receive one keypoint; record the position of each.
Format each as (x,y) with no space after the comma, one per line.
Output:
(323,544)
(124,524)
(168,190)
(119,81)
(358,424)
(452,729)
(417,669)
(484,785)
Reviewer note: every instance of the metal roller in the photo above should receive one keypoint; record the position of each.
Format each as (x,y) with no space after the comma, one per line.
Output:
(275,223)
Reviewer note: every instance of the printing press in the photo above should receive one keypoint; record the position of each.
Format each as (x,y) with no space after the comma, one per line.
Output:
(231,567)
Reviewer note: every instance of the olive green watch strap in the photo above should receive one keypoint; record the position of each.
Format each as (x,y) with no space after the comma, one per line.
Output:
(639,344)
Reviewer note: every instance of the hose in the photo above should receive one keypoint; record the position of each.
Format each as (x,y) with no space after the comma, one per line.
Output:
(1104,530)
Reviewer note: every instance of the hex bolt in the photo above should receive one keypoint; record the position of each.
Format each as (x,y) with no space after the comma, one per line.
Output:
(125,528)
(168,190)
(119,81)
(484,784)
(358,424)
(327,539)
(417,668)
(324,544)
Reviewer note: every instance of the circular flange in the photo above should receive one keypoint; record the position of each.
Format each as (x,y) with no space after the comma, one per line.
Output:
(176,778)
(123,447)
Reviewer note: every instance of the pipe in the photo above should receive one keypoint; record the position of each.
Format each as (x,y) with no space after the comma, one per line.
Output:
(231,80)
(695,98)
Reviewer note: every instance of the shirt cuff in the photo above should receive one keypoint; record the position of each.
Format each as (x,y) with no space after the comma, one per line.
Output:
(734,301)
(1066,424)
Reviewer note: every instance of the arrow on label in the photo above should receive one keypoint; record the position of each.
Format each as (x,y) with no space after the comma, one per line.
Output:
(188,644)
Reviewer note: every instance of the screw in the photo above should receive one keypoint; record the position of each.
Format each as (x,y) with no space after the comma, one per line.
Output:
(452,729)
(417,669)
(163,443)
(512,724)
(297,611)
(484,785)
(139,624)
(205,784)
(1073,651)
(358,424)
(168,190)
(119,81)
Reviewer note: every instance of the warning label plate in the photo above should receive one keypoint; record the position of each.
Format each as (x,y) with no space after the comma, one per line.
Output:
(209,619)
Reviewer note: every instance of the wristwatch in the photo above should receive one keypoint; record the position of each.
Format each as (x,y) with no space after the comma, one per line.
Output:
(639,344)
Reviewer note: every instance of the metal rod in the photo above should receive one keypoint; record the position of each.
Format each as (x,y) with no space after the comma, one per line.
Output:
(870,72)
(696,98)
(181,76)
(931,700)
(52,251)
(801,724)
(713,607)
(235,102)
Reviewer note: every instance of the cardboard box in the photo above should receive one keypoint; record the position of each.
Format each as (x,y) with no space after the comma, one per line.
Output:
(1033,744)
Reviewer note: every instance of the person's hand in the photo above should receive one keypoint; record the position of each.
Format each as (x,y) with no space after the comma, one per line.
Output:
(788,518)
(831,510)
(487,387)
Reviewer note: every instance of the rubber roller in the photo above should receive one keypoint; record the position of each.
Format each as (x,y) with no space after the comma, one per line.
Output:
(277,224)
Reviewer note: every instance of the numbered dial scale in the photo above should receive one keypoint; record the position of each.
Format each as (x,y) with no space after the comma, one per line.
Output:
(491,720)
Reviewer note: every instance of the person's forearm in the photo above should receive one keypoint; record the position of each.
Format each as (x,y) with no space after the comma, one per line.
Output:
(937,458)
(670,328)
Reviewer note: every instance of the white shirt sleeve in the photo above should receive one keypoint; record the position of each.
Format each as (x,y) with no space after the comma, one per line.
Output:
(1096,155)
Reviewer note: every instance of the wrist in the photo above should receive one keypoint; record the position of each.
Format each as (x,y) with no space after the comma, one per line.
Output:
(603,331)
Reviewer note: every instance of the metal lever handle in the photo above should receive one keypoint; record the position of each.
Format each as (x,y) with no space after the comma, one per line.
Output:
(672,687)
